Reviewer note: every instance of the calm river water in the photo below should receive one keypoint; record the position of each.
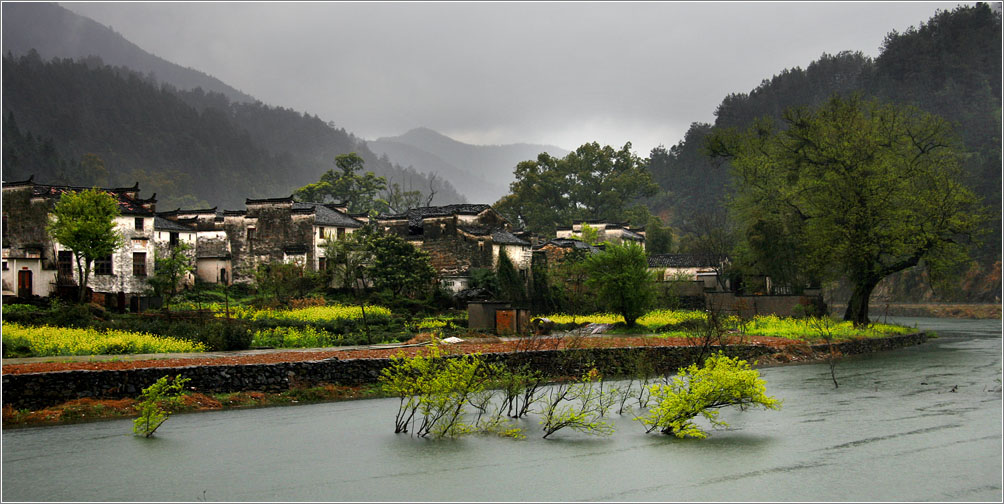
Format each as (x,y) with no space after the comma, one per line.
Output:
(918,424)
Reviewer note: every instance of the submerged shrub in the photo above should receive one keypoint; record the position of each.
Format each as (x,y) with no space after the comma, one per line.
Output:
(722,381)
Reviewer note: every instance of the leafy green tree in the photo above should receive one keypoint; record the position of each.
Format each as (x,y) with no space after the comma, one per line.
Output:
(589,234)
(569,281)
(358,191)
(722,381)
(658,237)
(592,182)
(620,276)
(152,401)
(399,267)
(84,222)
(169,273)
(577,406)
(869,189)
(511,285)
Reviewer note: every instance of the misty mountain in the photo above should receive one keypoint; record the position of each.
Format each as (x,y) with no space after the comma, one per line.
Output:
(482,172)
(55,32)
(85,123)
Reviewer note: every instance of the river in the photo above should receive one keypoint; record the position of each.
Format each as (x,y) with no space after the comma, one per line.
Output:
(916,424)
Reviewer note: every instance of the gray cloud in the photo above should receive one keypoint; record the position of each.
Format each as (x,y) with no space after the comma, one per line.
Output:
(559,73)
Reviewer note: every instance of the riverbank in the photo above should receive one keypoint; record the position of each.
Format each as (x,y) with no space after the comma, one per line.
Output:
(314,380)
(879,310)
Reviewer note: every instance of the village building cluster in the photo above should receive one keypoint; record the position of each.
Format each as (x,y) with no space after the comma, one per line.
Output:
(226,246)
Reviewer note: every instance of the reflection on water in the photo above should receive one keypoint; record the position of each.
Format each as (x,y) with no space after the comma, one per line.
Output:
(921,423)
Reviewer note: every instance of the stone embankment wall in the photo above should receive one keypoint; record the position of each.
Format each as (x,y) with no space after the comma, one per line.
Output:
(38,390)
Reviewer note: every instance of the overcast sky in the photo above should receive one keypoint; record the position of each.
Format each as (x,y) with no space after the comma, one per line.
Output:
(489,73)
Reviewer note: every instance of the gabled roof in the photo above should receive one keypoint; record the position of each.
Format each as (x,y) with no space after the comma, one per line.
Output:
(504,237)
(129,204)
(571,243)
(416,215)
(684,260)
(162,224)
(631,235)
(324,215)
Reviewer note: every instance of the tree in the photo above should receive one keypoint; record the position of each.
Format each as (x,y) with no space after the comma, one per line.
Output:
(722,381)
(511,286)
(152,401)
(620,276)
(170,271)
(592,182)
(358,192)
(84,222)
(399,267)
(658,237)
(868,189)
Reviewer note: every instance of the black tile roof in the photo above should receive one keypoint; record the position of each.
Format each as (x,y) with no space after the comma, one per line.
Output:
(327,216)
(569,243)
(128,205)
(162,224)
(683,261)
(504,237)
(415,215)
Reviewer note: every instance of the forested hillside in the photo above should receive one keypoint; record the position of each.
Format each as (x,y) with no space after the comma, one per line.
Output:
(55,32)
(192,148)
(950,66)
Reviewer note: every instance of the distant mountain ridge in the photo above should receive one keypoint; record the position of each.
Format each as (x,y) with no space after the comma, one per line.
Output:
(55,32)
(481,172)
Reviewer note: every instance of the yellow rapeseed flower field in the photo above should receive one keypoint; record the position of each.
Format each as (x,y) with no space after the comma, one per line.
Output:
(46,341)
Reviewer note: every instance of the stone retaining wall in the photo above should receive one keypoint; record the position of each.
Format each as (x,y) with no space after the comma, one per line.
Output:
(38,390)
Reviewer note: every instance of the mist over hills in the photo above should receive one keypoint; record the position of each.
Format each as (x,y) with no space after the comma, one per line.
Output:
(482,172)
(82,121)
(55,32)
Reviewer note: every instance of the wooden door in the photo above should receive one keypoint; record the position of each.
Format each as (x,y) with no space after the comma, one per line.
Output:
(24,283)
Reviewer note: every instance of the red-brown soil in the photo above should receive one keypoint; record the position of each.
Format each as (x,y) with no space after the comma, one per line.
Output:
(371,353)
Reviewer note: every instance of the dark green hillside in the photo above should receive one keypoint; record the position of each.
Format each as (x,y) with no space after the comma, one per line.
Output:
(950,66)
(190,147)
(55,32)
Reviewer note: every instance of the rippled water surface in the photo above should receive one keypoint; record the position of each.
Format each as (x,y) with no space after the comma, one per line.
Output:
(893,430)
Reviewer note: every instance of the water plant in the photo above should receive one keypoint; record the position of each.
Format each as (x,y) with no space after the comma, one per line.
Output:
(703,390)
(152,413)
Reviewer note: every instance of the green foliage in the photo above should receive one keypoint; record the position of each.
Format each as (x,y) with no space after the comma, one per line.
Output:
(152,414)
(278,283)
(84,222)
(485,278)
(399,267)
(722,381)
(357,192)
(511,285)
(434,392)
(658,237)
(577,406)
(866,190)
(592,182)
(621,278)
(590,234)
(569,283)
(170,272)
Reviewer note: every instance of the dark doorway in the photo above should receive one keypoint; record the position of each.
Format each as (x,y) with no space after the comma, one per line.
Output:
(24,283)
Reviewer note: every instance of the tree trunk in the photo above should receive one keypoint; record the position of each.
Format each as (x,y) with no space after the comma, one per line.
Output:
(857,306)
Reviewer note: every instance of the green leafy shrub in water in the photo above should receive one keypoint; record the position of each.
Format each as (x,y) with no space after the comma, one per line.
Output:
(703,390)
(152,414)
